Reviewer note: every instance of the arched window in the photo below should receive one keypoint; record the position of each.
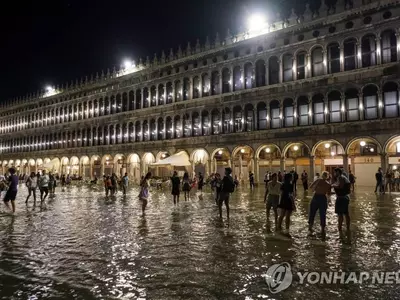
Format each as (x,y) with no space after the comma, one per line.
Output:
(389,46)
(260,73)
(262,116)
(215,88)
(125,103)
(248,76)
(138,130)
(169,93)
(113,105)
(216,121)
(273,70)
(146,131)
(370,94)
(196,87)
(153,96)
(153,131)
(249,117)
(334,100)
(178,127)
(196,124)
(131,133)
(160,125)
(350,54)
(146,98)
(186,88)
(352,105)
(168,124)
(178,91)
(301,61)
(288,110)
(274,108)
(205,119)
(138,99)
(237,79)
(318,109)
(161,96)
(226,84)
(333,58)
(186,125)
(131,100)
(227,122)
(303,110)
(368,49)
(206,85)
(287,67)
(118,108)
(390,100)
(238,118)
(317,58)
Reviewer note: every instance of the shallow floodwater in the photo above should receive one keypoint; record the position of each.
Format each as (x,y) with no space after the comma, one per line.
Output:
(81,245)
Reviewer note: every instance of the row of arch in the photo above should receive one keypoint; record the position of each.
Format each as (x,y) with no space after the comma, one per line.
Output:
(351,53)
(336,107)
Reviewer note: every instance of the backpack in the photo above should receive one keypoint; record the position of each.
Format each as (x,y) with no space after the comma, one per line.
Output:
(230,185)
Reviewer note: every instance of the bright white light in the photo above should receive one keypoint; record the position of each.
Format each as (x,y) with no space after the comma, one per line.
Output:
(295,148)
(371,150)
(327,145)
(268,150)
(49,89)
(127,64)
(163,155)
(394,167)
(256,22)
(220,152)
(242,150)
(362,143)
(333,153)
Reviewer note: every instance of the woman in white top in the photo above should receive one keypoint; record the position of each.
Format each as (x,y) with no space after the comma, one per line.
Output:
(31,184)
(144,191)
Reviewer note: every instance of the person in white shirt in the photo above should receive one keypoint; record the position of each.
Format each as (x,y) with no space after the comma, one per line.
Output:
(397,180)
(31,184)
(44,185)
(272,200)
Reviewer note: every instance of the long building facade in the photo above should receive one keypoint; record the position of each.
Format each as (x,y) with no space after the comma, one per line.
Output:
(312,92)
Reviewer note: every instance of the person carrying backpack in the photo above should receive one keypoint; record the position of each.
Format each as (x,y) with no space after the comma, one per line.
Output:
(342,188)
(228,187)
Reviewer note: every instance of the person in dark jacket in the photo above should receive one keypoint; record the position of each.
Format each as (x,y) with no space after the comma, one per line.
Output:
(228,186)
(176,183)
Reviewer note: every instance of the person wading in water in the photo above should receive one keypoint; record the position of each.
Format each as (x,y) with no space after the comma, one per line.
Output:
(175,182)
(342,189)
(271,199)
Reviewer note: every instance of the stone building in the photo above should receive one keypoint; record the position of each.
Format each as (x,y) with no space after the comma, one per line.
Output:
(312,92)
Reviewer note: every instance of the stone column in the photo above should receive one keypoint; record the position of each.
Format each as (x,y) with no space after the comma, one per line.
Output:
(361,105)
(359,55)
(343,105)
(380,105)
(294,68)
(219,83)
(310,110)
(257,170)
(384,162)
(346,163)
(325,61)
(341,57)
(190,97)
(142,99)
(282,164)
(398,45)
(240,167)
(280,71)
(208,168)
(308,66)
(312,168)
(157,96)
(266,74)
(268,117)
(378,50)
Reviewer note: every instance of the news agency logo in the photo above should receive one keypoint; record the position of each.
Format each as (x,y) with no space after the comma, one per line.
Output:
(279,277)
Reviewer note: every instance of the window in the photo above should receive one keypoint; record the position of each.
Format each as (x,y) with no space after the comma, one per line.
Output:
(301,65)
(368,48)
(273,70)
(389,47)
(371,108)
(238,121)
(350,54)
(262,116)
(334,58)
(390,104)
(300,38)
(289,116)
(319,117)
(287,68)
(352,109)
(303,112)
(334,111)
(317,62)
(275,117)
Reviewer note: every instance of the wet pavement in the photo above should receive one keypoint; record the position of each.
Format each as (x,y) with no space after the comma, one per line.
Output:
(81,245)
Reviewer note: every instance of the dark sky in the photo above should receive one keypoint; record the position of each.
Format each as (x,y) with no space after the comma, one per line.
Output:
(52,42)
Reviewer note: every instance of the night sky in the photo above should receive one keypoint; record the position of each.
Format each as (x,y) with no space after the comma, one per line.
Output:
(58,41)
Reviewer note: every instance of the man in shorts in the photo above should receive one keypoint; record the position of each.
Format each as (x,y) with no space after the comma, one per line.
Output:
(342,189)
(271,199)
(11,193)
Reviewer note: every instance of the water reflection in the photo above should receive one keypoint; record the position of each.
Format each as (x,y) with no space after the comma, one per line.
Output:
(81,245)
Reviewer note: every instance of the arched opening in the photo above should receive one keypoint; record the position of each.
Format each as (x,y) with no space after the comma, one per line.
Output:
(200,162)
(160,124)
(221,159)
(227,120)
(162,171)
(186,125)
(334,103)
(215,86)
(196,124)
(368,50)
(238,118)
(186,88)
(64,165)
(169,128)
(206,125)
(287,62)
(138,104)
(169,91)
(333,58)
(289,112)
(389,46)
(352,105)
(243,162)
(138,130)
(249,117)
(216,121)
(297,157)
(120,167)
(237,79)
(328,156)
(317,60)
(146,130)
(274,108)
(178,127)
(269,159)
(261,116)
(196,87)
(96,166)
(318,109)
(178,91)
(350,54)
(273,70)
(131,132)
(364,156)
(148,160)
(392,149)
(108,165)
(133,168)
(161,97)
(131,103)
(370,102)
(153,96)
(73,168)
(390,100)
(153,130)
(260,73)
(84,163)
(301,62)
(248,76)
(146,95)
(206,85)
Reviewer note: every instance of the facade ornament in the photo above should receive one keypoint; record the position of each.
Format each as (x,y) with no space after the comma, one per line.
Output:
(198,47)
(91,77)
(179,52)
(188,49)
(293,18)
(217,41)
(307,13)
(171,54)
(228,38)
(155,60)
(114,71)
(339,6)
(147,61)
(207,44)
(348,4)
(108,73)
(163,57)
(81,83)
(102,74)
(140,62)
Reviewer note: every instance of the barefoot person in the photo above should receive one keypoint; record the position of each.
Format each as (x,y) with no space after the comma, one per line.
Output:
(176,183)
(11,193)
(31,184)
(125,181)
(144,191)
(186,185)
(272,197)
(342,189)
(228,187)
(286,203)
(44,185)
(319,202)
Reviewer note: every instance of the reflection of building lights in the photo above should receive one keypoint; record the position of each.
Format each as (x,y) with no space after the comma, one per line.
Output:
(241,150)
(362,143)
(268,150)
(295,148)
(220,152)
(333,153)
(327,145)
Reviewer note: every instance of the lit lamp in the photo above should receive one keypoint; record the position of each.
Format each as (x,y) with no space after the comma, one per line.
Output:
(268,150)
(257,22)
(241,150)
(295,148)
(220,152)
(362,143)
(327,145)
